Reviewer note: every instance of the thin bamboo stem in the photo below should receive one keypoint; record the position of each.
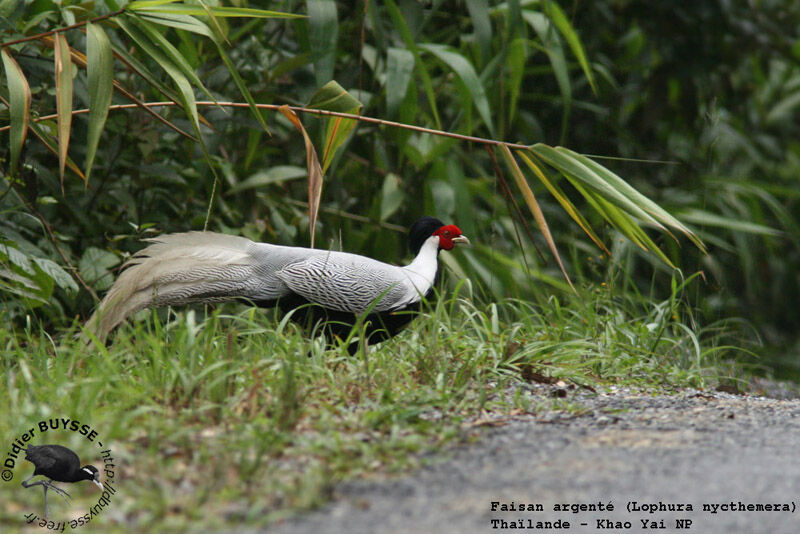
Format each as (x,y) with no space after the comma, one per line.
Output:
(64,29)
(274,107)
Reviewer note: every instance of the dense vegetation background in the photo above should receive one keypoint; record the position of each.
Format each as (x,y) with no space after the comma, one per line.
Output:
(243,417)
(706,92)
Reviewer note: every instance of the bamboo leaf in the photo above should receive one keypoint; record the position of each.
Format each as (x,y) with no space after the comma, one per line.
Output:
(38,130)
(399,68)
(333,97)
(19,106)
(479,13)
(240,83)
(466,73)
(141,70)
(315,174)
(706,218)
(185,89)
(145,4)
(392,196)
(408,39)
(635,196)
(555,53)
(100,75)
(274,175)
(562,23)
(180,22)
(562,199)
(215,24)
(323,25)
(172,53)
(576,170)
(623,223)
(63,71)
(80,60)
(191,24)
(536,210)
(147,109)
(193,10)
(517,56)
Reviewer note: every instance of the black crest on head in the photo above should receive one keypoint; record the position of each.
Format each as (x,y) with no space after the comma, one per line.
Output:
(421,230)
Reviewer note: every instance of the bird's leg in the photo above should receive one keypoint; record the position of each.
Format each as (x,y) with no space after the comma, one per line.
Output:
(38,483)
(58,490)
(47,484)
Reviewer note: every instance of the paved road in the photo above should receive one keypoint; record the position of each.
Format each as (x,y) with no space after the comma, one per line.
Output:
(691,449)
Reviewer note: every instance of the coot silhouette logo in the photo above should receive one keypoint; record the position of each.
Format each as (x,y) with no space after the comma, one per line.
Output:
(55,465)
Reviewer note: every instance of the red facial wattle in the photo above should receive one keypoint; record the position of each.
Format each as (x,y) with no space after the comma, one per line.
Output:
(446,235)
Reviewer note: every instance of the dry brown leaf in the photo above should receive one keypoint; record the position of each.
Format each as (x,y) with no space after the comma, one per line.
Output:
(535,209)
(315,176)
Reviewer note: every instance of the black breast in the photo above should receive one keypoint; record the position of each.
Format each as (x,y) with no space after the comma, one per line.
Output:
(380,326)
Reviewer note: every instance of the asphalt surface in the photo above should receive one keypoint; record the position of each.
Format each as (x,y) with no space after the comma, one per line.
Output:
(716,454)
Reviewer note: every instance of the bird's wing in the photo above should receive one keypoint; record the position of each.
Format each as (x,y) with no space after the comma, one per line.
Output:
(47,457)
(349,283)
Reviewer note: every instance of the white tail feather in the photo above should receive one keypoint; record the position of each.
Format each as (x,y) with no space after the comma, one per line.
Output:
(178,269)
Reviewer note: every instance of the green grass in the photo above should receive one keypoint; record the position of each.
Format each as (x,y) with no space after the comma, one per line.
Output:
(239,418)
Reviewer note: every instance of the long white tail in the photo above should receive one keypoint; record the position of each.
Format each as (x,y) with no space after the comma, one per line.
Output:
(178,269)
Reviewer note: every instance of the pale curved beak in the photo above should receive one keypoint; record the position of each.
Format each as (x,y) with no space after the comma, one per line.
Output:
(462,239)
(99,484)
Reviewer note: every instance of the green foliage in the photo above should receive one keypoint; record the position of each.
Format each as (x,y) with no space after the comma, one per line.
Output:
(615,79)
(30,275)
(721,105)
(449,179)
(246,420)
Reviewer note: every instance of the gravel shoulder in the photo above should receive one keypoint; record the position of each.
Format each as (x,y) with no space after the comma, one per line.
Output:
(709,458)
